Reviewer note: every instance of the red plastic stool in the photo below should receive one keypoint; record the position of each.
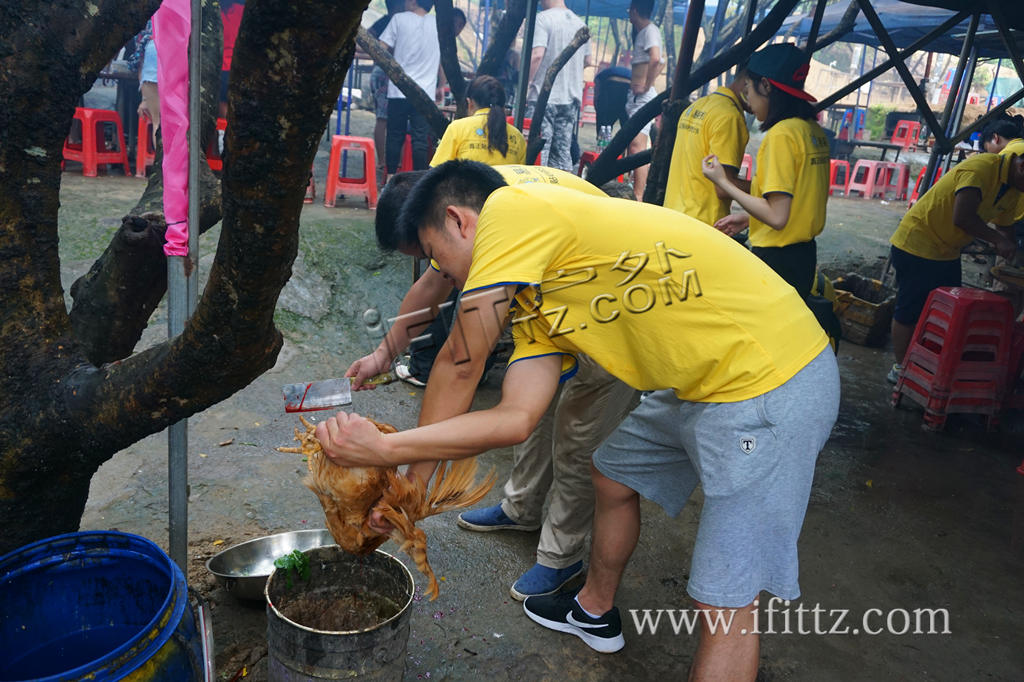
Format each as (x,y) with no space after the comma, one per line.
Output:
(747,167)
(92,150)
(917,184)
(834,166)
(959,356)
(310,188)
(587,160)
(144,152)
(366,185)
(906,133)
(588,114)
(406,164)
(897,180)
(869,178)
(213,159)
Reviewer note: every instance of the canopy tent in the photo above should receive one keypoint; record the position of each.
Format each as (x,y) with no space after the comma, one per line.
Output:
(617,9)
(908,21)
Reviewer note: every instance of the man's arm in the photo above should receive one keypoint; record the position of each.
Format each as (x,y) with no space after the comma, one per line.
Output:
(653,67)
(479,323)
(529,386)
(417,311)
(965,216)
(536,57)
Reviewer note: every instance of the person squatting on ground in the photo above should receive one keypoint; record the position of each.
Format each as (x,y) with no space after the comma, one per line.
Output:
(412,37)
(744,388)
(646,64)
(925,251)
(484,135)
(786,203)
(554,462)
(555,28)
(712,125)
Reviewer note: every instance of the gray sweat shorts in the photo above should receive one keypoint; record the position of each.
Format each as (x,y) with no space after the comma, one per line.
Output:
(755,460)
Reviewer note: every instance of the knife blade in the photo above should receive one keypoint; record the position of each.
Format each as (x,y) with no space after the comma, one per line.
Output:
(326,393)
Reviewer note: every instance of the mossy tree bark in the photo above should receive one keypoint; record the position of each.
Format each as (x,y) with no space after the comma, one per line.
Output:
(63,416)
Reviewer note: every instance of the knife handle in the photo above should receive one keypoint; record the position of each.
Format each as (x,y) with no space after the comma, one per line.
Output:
(379,380)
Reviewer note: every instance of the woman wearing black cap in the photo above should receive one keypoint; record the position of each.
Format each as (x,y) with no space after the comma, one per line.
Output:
(786,204)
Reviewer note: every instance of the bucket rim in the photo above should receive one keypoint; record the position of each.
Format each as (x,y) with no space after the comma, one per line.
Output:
(401,611)
(151,636)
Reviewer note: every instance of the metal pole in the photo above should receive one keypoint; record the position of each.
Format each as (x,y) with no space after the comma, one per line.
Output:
(524,63)
(992,90)
(812,37)
(182,287)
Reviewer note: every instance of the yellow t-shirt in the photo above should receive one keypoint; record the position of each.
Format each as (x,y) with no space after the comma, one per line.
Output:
(927,229)
(1014,147)
(524,175)
(652,295)
(712,125)
(793,158)
(466,138)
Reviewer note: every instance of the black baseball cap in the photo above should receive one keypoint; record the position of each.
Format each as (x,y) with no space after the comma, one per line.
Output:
(785,66)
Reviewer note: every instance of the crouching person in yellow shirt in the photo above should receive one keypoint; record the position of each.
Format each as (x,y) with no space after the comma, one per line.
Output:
(744,390)
(925,252)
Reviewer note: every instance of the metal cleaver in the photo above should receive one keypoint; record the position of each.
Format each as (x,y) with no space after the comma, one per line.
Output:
(325,394)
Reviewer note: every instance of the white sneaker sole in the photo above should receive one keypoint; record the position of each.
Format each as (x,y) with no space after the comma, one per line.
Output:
(519,596)
(487,529)
(602,645)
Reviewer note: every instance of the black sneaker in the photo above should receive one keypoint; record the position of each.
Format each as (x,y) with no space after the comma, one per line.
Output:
(561,612)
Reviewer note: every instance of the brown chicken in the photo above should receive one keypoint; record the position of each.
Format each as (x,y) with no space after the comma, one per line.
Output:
(349,494)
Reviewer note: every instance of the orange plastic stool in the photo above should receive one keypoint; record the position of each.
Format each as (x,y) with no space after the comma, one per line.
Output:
(366,185)
(917,184)
(747,167)
(959,356)
(92,150)
(869,178)
(213,159)
(406,164)
(144,152)
(834,166)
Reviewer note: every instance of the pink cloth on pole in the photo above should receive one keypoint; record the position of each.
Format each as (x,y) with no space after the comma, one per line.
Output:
(170,31)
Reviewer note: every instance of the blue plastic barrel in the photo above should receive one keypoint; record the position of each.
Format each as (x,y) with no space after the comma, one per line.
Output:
(99,605)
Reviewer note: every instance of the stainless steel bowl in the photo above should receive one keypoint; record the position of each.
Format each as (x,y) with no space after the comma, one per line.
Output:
(243,569)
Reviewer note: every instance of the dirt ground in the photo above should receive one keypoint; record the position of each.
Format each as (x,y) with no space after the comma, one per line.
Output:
(900,521)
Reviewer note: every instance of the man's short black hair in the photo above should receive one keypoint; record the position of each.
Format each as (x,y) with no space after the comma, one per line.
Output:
(453,183)
(643,7)
(389,206)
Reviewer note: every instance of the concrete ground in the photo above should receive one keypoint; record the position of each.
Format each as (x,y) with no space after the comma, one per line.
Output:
(900,521)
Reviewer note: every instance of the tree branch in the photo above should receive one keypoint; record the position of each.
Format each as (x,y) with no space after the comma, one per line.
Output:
(502,38)
(533,146)
(450,55)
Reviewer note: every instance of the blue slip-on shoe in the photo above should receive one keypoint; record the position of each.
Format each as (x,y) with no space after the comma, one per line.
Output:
(491,518)
(561,612)
(541,580)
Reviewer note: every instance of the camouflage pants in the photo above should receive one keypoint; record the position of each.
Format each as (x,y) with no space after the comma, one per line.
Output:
(557,128)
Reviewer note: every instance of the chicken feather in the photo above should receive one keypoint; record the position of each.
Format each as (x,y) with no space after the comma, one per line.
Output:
(349,494)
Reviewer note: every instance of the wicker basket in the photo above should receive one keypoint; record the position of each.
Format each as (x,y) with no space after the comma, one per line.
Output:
(864,309)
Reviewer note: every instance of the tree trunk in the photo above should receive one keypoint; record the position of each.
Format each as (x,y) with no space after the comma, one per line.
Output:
(450,55)
(534,145)
(63,417)
(421,101)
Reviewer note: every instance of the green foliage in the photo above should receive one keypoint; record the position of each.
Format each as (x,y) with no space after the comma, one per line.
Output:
(295,562)
(875,121)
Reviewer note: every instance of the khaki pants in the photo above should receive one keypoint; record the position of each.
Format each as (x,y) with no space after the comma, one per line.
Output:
(556,457)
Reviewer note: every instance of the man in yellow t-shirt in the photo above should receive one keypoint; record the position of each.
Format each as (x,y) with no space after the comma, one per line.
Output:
(713,124)
(553,464)
(744,390)
(925,252)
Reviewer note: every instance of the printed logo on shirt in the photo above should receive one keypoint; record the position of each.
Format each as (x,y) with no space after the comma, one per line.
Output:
(748,444)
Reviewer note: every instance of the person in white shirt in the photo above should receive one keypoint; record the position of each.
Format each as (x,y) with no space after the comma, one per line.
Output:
(646,65)
(555,28)
(412,38)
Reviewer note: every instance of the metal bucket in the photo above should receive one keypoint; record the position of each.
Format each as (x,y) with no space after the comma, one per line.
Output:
(297,652)
(98,605)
